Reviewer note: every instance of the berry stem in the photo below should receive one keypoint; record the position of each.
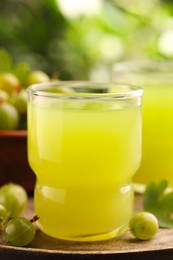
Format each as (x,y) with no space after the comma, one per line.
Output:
(34,219)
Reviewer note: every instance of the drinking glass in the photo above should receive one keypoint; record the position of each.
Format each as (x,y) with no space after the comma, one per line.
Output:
(156,78)
(84,145)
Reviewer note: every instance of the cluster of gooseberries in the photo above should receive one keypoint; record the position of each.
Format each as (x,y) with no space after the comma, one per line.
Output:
(13,98)
(17,230)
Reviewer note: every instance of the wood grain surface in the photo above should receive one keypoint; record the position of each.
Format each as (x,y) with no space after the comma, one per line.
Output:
(47,248)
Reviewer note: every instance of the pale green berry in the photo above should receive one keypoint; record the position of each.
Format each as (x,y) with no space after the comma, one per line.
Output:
(144,225)
(14,198)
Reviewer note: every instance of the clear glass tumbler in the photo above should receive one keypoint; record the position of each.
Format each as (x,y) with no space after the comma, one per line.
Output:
(156,78)
(84,145)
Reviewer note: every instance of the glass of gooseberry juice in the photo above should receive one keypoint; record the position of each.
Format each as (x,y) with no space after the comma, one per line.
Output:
(156,78)
(84,145)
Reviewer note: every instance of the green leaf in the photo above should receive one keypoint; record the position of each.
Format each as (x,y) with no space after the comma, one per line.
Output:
(22,70)
(6,62)
(153,193)
(159,201)
(166,203)
(164,221)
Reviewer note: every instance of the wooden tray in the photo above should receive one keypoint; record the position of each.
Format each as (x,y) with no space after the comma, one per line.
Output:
(47,248)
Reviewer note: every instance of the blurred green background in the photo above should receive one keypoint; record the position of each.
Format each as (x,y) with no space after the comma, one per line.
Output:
(82,39)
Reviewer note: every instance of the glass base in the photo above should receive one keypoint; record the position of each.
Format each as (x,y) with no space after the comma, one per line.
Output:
(89,238)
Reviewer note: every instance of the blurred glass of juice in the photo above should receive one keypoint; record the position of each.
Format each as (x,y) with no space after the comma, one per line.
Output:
(156,78)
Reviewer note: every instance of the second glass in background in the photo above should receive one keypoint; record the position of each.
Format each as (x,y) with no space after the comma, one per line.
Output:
(156,77)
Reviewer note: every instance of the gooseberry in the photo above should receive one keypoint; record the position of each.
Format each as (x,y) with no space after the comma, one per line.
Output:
(19,231)
(37,76)
(9,117)
(9,82)
(14,198)
(19,100)
(144,225)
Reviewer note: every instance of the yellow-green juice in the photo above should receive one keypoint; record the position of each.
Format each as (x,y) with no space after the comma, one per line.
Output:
(157,151)
(84,155)
(156,78)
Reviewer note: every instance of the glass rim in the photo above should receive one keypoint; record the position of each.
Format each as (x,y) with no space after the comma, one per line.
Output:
(123,90)
(144,65)
(144,72)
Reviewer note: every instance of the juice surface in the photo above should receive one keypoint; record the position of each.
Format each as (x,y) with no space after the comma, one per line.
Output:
(157,141)
(84,160)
